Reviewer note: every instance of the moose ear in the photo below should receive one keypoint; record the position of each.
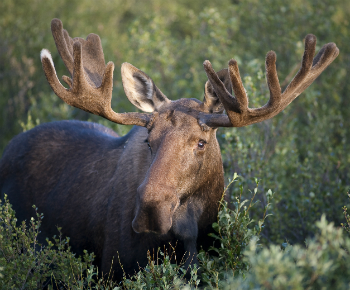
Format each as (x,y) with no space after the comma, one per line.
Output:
(141,90)
(211,100)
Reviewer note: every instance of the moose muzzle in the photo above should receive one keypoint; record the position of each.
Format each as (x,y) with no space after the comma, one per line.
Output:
(154,210)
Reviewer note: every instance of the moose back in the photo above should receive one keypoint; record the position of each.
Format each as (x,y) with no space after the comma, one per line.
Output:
(160,183)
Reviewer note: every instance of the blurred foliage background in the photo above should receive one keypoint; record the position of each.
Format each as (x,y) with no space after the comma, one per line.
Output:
(303,154)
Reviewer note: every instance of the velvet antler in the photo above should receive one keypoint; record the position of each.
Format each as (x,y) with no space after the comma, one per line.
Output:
(91,82)
(238,112)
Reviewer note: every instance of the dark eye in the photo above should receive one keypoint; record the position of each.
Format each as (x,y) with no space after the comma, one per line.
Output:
(201,144)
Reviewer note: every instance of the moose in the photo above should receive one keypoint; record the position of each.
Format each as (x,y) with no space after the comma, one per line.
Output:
(162,182)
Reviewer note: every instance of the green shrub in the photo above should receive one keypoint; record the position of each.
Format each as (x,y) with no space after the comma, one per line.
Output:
(346,226)
(26,264)
(323,264)
(234,230)
(237,261)
(160,273)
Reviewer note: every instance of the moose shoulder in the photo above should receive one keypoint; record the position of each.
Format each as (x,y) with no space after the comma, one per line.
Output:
(160,183)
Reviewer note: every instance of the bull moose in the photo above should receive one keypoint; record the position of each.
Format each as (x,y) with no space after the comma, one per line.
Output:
(160,183)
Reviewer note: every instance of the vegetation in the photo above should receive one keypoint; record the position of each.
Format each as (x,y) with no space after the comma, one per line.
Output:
(237,261)
(26,264)
(302,155)
(322,264)
(234,230)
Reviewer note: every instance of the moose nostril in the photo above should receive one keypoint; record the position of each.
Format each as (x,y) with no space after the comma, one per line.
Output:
(135,227)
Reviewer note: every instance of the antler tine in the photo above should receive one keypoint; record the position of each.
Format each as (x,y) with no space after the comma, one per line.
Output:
(64,43)
(260,114)
(51,75)
(85,94)
(228,101)
(237,107)
(237,85)
(324,58)
(93,57)
(306,65)
(238,112)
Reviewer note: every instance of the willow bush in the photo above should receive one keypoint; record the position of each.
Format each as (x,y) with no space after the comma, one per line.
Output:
(323,264)
(26,264)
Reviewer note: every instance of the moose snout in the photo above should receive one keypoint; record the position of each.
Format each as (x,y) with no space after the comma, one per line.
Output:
(152,220)
(154,212)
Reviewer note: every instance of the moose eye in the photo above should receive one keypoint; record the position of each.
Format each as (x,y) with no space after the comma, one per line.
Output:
(201,144)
